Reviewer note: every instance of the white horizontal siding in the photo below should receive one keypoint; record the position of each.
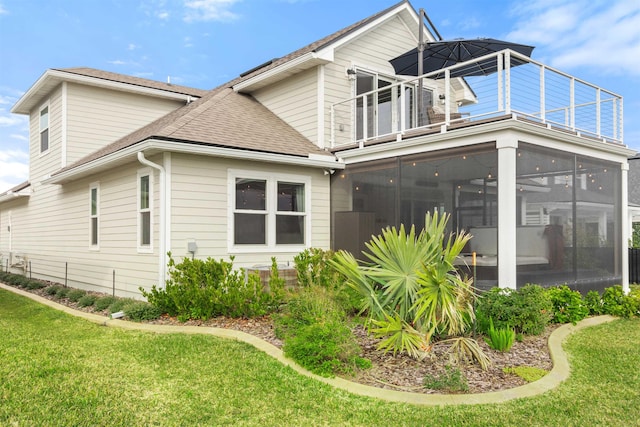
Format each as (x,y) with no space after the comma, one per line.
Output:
(43,164)
(294,100)
(52,229)
(97,117)
(200,208)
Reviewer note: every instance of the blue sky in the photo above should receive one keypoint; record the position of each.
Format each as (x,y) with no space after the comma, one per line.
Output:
(203,43)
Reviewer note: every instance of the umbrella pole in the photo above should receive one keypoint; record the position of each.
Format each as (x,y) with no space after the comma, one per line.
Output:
(420,108)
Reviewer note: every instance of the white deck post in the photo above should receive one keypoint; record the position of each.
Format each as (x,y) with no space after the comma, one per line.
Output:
(507,270)
(624,219)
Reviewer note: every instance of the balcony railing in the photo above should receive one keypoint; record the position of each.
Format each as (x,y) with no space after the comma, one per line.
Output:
(515,86)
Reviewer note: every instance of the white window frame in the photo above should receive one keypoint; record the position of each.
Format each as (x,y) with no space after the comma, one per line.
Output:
(94,186)
(272,179)
(47,128)
(141,247)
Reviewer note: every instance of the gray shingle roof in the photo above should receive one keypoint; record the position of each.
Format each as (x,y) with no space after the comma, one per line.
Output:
(137,81)
(222,117)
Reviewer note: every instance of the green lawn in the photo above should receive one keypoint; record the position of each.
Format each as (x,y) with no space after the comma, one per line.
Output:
(62,371)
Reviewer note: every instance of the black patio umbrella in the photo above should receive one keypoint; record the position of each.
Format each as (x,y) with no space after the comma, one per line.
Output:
(445,53)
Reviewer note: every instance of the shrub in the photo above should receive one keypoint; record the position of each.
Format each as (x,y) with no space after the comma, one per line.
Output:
(325,348)
(141,311)
(313,268)
(35,284)
(527,373)
(62,293)
(119,304)
(201,289)
(52,290)
(568,305)
(616,303)
(19,281)
(451,380)
(103,303)
(500,339)
(527,310)
(87,300)
(75,294)
(593,302)
(410,287)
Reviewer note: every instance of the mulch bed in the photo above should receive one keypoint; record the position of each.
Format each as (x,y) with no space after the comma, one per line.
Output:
(399,372)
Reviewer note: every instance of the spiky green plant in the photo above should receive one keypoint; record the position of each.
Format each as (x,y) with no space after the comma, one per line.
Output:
(410,287)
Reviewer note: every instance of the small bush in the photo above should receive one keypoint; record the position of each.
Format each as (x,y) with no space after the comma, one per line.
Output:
(119,304)
(568,305)
(35,284)
(19,281)
(451,380)
(52,290)
(201,289)
(87,300)
(616,303)
(593,302)
(527,310)
(500,339)
(75,294)
(62,293)
(140,311)
(527,373)
(103,303)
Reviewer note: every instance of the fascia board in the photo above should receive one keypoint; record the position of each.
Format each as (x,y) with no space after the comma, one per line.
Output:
(310,58)
(313,161)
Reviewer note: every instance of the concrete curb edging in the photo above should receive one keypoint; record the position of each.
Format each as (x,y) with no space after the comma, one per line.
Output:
(558,374)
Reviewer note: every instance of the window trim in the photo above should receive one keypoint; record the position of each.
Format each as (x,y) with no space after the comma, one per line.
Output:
(44,106)
(94,246)
(272,179)
(141,247)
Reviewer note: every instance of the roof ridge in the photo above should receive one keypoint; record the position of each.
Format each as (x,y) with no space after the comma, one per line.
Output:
(133,80)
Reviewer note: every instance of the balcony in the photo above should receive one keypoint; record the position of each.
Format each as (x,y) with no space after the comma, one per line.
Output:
(513,86)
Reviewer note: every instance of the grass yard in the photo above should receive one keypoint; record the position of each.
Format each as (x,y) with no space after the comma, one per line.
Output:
(61,371)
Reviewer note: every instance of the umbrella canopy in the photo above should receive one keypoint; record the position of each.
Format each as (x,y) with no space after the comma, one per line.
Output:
(443,54)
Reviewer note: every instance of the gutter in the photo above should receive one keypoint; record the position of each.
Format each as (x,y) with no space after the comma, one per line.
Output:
(10,195)
(164,235)
(328,161)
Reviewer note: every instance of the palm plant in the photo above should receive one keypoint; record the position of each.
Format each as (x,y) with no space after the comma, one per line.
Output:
(410,287)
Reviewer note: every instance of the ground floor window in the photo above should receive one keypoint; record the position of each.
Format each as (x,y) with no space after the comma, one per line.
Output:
(144,210)
(94,210)
(268,210)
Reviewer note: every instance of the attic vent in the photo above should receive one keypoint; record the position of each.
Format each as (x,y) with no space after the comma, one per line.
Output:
(269,62)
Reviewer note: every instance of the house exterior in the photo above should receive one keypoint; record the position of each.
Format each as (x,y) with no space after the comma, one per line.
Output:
(320,148)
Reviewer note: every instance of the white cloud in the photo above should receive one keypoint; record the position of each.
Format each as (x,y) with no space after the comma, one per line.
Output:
(163,14)
(19,136)
(603,35)
(209,10)
(3,11)
(132,46)
(117,62)
(13,168)
(12,120)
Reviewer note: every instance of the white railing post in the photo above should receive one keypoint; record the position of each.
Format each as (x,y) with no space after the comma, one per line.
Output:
(332,114)
(507,85)
(403,109)
(598,113)
(500,82)
(447,96)
(572,103)
(365,117)
(543,101)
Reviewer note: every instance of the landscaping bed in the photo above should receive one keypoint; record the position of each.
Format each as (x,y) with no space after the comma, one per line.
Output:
(399,372)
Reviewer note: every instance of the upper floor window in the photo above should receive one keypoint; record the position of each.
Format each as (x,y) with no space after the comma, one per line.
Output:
(144,210)
(94,214)
(268,209)
(44,128)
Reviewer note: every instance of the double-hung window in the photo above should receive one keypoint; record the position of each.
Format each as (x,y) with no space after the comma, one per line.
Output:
(44,128)
(94,211)
(144,210)
(268,210)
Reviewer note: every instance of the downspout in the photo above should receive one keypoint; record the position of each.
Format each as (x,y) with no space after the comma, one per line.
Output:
(162,247)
